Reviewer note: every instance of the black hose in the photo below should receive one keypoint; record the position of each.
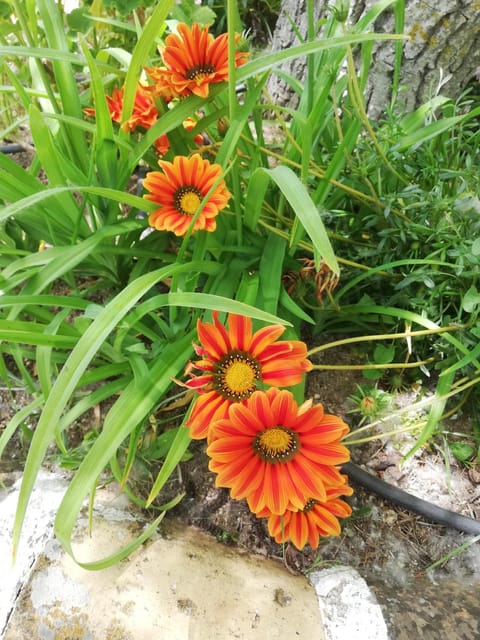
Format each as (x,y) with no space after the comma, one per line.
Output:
(403,499)
(11,148)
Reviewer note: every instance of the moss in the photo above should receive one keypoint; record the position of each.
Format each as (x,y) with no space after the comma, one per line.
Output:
(417,30)
(116,631)
(67,626)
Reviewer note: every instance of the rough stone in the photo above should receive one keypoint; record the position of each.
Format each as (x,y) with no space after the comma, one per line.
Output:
(349,609)
(182,585)
(37,529)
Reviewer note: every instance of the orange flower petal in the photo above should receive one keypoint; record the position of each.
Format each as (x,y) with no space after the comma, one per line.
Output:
(240,330)
(207,407)
(230,365)
(315,520)
(263,338)
(193,60)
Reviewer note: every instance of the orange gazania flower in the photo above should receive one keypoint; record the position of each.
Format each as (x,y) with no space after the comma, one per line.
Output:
(194,59)
(234,362)
(315,520)
(144,113)
(180,189)
(162,144)
(275,454)
(161,87)
(189,124)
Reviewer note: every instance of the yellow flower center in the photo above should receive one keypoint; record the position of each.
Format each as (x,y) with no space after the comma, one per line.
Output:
(199,71)
(237,375)
(277,444)
(187,200)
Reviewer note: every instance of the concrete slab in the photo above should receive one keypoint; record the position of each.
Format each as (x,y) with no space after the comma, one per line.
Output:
(183,585)
(37,530)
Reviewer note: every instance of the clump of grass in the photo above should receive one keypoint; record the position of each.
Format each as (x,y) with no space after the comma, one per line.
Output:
(356,227)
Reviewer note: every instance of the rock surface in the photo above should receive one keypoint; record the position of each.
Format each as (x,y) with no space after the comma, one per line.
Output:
(181,585)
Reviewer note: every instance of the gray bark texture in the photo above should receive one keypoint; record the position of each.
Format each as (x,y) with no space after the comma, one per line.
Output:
(442,54)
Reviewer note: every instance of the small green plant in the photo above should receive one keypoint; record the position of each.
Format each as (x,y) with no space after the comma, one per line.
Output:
(370,402)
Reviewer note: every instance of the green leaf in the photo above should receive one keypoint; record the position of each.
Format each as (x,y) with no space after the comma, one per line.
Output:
(432,130)
(84,351)
(203,15)
(476,247)
(471,299)
(17,420)
(266,62)
(305,209)
(23,332)
(175,454)
(106,151)
(383,354)
(142,49)
(65,81)
(220,303)
(462,451)
(292,307)
(132,407)
(271,269)
(78,20)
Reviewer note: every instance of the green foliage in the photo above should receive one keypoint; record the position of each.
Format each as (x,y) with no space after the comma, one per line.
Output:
(189,11)
(106,308)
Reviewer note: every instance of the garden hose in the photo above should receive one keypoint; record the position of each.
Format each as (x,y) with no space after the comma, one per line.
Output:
(405,500)
(11,148)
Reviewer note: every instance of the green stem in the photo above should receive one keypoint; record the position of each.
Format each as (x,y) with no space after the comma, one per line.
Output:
(46,82)
(421,404)
(362,367)
(384,434)
(311,56)
(357,101)
(383,336)
(231,20)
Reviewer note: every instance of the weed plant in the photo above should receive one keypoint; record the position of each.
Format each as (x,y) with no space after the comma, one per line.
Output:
(98,307)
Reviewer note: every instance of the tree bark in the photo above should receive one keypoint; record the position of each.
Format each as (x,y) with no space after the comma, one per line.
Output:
(285,37)
(442,54)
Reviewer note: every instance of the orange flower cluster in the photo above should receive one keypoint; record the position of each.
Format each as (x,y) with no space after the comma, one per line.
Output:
(193,59)
(144,115)
(282,458)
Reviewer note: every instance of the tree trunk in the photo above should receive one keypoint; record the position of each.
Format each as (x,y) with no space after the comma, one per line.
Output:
(442,55)
(285,37)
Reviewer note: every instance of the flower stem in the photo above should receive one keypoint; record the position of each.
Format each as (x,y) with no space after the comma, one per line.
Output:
(362,367)
(231,21)
(383,336)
